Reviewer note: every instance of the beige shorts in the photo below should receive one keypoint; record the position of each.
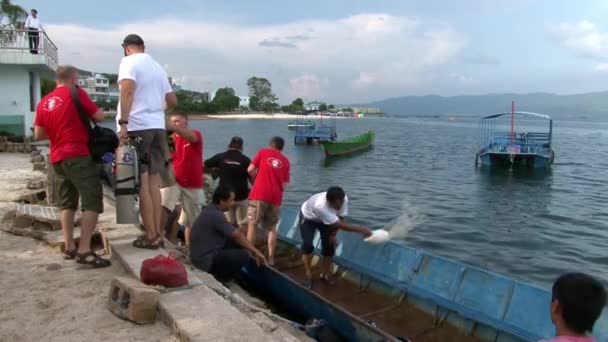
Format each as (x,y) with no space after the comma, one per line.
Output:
(191,200)
(260,212)
(238,214)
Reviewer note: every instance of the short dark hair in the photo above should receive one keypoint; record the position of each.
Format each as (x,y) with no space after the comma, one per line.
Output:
(335,193)
(179,114)
(65,72)
(277,142)
(132,39)
(236,142)
(581,298)
(34,10)
(222,193)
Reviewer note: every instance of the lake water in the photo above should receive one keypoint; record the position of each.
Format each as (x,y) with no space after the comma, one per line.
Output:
(531,226)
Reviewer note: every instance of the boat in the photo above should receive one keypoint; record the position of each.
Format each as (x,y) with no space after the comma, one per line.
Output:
(324,131)
(393,292)
(300,123)
(501,146)
(348,145)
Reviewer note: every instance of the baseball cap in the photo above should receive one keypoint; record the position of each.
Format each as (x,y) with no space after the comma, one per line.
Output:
(132,39)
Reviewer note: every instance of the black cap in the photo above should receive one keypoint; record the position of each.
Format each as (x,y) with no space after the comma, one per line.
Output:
(236,142)
(132,39)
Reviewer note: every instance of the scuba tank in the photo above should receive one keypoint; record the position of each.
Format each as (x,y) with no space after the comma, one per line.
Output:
(126,187)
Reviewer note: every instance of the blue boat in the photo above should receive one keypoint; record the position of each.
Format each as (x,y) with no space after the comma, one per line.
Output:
(504,144)
(321,132)
(394,290)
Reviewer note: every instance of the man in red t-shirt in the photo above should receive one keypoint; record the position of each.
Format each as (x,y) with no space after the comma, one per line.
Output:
(58,120)
(188,170)
(270,171)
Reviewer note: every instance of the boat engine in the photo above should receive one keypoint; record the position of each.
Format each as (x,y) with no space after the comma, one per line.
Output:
(126,186)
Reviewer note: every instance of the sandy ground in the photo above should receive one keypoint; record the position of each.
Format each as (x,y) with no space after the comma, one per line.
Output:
(45,298)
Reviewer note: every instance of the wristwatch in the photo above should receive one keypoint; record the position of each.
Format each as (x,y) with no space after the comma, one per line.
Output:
(122,122)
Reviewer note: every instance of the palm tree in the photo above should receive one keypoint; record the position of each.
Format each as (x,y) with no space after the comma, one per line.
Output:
(11,16)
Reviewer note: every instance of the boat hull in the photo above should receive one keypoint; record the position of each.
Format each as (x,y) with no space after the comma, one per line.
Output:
(348,146)
(534,161)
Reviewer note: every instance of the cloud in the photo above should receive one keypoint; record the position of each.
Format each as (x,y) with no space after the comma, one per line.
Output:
(309,87)
(380,51)
(460,78)
(582,38)
(603,67)
(482,59)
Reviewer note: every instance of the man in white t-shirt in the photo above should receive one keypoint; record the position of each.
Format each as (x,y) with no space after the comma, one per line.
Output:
(32,24)
(324,211)
(145,95)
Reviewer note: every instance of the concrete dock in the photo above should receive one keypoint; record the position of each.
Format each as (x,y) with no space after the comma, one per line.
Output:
(205,310)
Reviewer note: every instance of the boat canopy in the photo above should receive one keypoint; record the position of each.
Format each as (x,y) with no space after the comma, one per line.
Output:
(542,116)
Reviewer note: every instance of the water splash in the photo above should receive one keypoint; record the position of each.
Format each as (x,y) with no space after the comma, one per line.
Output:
(405,223)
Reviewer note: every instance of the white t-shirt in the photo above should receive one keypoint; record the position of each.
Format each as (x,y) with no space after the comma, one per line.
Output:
(32,22)
(316,209)
(151,87)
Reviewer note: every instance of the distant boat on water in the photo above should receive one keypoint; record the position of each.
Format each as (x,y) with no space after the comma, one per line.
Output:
(348,145)
(501,146)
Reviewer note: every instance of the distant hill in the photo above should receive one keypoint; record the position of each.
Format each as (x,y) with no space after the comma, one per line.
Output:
(592,106)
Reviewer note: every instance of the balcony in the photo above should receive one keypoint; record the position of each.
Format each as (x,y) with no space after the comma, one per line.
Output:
(15,49)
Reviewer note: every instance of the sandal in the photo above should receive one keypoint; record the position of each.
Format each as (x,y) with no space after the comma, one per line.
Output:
(70,254)
(145,244)
(92,259)
(329,279)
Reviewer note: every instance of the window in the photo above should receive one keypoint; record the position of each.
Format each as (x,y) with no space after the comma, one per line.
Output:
(32,92)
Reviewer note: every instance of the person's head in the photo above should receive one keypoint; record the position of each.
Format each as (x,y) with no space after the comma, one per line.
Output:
(335,197)
(66,75)
(133,44)
(34,13)
(223,197)
(277,143)
(236,143)
(577,302)
(179,120)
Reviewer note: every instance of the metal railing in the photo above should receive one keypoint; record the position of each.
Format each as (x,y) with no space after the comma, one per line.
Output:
(21,41)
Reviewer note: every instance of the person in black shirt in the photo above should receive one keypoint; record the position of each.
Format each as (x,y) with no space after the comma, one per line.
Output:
(215,245)
(232,169)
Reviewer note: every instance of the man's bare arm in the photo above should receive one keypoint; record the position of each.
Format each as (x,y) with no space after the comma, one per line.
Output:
(40,133)
(99,116)
(171,102)
(127,94)
(185,133)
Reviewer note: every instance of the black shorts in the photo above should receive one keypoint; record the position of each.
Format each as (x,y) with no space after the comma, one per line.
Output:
(328,236)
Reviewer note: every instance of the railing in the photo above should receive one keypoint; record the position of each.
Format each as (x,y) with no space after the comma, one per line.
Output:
(522,143)
(19,41)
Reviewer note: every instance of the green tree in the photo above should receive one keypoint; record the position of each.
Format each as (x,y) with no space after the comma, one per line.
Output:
(11,16)
(225,100)
(323,107)
(298,102)
(331,106)
(347,109)
(261,89)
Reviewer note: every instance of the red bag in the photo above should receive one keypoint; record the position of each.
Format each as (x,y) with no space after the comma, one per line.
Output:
(163,270)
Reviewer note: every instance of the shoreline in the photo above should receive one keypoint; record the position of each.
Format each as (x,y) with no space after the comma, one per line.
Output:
(250,116)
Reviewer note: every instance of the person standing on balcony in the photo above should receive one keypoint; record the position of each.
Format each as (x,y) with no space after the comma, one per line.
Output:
(32,24)
(145,95)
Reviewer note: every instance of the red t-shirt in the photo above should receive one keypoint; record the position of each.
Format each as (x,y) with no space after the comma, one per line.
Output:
(57,114)
(188,161)
(273,173)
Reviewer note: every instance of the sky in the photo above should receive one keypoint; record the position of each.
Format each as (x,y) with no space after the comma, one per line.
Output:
(346,51)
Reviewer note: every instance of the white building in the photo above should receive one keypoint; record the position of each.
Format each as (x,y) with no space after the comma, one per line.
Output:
(20,73)
(312,106)
(243,101)
(98,88)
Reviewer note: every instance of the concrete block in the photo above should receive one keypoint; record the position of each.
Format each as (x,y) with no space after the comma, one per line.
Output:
(39,166)
(36,152)
(3,147)
(36,184)
(22,221)
(8,215)
(37,158)
(28,148)
(47,218)
(131,300)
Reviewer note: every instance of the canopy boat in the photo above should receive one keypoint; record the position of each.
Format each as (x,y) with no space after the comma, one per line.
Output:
(348,145)
(300,123)
(393,292)
(501,146)
(321,132)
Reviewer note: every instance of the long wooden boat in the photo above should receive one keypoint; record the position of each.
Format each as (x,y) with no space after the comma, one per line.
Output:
(393,291)
(518,145)
(348,145)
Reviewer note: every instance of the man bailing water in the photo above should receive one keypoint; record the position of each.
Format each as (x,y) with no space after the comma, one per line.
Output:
(325,211)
